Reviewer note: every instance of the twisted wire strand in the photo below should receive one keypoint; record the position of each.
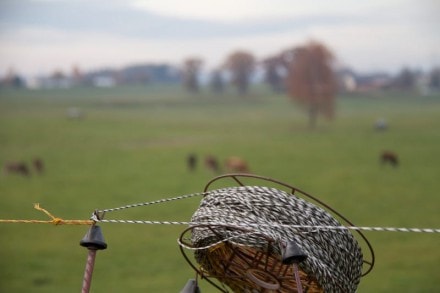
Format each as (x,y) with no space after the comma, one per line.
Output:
(95,218)
(309,228)
(164,200)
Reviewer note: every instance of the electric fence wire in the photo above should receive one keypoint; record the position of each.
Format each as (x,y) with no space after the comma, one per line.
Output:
(97,216)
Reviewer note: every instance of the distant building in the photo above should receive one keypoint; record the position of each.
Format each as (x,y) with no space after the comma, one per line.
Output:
(104,81)
(346,80)
(135,74)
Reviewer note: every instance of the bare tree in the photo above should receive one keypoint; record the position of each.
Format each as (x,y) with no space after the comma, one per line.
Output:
(434,78)
(217,83)
(76,75)
(191,68)
(406,79)
(274,68)
(241,64)
(311,80)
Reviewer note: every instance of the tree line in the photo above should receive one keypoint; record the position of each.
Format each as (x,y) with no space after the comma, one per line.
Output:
(306,73)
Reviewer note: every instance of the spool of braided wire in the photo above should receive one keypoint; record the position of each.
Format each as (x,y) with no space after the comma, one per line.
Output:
(244,250)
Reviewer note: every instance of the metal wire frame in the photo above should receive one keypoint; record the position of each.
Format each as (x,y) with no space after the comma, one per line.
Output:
(255,263)
(238,178)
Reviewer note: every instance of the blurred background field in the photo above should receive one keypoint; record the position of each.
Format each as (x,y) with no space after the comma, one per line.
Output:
(131,146)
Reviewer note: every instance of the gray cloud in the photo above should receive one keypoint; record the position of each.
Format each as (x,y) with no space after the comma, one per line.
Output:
(117,17)
(38,34)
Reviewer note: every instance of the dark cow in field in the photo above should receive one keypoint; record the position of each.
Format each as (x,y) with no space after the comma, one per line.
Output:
(191,162)
(19,168)
(236,164)
(38,165)
(388,157)
(211,163)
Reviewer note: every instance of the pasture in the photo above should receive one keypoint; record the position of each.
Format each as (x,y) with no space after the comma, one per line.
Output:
(131,144)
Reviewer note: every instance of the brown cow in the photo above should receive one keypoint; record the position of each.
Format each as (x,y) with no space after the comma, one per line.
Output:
(388,157)
(38,165)
(236,164)
(211,163)
(19,168)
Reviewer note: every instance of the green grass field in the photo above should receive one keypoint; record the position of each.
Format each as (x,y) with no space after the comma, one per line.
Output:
(132,145)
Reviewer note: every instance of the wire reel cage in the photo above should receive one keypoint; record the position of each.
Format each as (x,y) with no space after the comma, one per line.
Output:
(244,254)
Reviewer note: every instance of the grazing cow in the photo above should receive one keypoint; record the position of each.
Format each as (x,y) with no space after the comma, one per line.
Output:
(211,163)
(236,164)
(388,157)
(38,165)
(191,162)
(19,168)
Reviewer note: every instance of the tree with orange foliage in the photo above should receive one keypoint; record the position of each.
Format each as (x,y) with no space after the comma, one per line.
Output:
(311,81)
(241,64)
(191,68)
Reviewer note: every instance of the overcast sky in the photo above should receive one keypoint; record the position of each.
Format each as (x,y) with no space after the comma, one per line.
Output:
(39,36)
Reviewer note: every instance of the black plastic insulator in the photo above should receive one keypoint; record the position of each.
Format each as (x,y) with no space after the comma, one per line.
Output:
(94,239)
(291,253)
(191,287)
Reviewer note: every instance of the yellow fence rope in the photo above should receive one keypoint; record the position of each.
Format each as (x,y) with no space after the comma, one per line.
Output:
(54,220)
